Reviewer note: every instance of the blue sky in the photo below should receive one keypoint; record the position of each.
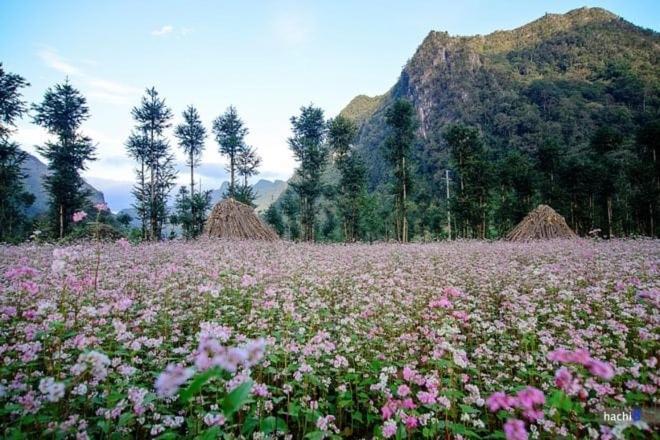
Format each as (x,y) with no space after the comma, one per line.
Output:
(265,57)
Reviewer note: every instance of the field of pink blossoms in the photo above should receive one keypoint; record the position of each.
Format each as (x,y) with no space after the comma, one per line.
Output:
(260,340)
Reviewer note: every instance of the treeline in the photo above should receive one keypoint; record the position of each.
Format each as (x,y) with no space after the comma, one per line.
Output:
(610,188)
(62,113)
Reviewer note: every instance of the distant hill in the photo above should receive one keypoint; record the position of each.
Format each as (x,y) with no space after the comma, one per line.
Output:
(35,171)
(267,193)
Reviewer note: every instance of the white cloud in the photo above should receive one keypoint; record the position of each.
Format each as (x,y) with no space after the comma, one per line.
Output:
(53,60)
(95,88)
(167,29)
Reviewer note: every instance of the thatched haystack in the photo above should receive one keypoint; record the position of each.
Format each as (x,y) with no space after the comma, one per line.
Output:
(541,224)
(232,219)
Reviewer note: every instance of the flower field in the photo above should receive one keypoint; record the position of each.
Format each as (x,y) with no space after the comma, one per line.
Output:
(217,339)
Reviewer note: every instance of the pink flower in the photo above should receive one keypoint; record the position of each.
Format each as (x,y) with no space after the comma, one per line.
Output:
(500,400)
(600,368)
(388,410)
(569,357)
(79,216)
(427,398)
(514,429)
(408,373)
(171,379)
(389,429)
(214,419)
(408,403)
(403,390)
(563,379)
(529,397)
(452,292)
(101,207)
(411,422)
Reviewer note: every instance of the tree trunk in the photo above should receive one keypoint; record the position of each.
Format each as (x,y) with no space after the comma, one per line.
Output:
(403,207)
(61,220)
(609,216)
(143,214)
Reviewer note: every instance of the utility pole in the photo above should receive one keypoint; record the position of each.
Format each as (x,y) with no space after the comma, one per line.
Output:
(448,210)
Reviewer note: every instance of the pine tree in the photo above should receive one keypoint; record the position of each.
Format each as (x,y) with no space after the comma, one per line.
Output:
(247,164)
(13,197)
(191,134)
(605,145)
(351,191)
(230,134)
(274,218)
(309,149)
(470,163)
(157,173)
(400,118)
(61,113)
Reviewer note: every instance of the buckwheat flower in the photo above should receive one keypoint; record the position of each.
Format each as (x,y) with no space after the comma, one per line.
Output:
(256,349)
(514,429)
(169,381)
(427,398)
(156,429)
(389,409)
(79,216)
(499,400)
(325,423)
(30,402)
(248,281)
(403,390)
(411,422)
(53,391)
(389,428)
(260,390)
(211,419)
(600,368)
(58,267)
(444,401)
(563,379)
(408,403)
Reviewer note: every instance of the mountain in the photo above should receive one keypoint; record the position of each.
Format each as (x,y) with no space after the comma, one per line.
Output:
(35,171)
(267,192)
(559,77)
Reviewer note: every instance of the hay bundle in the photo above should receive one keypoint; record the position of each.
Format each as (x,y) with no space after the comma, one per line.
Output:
(541,224)
(232,219)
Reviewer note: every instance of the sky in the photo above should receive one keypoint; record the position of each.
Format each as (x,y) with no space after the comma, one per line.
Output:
(267,58)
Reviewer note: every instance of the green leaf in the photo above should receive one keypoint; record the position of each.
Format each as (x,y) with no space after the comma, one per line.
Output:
(198,382)
(210,434)
(315,435)
(560,401)
(459,428)
(104,425)
(468,409)
(237,398)
(273,424)
(125,419)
